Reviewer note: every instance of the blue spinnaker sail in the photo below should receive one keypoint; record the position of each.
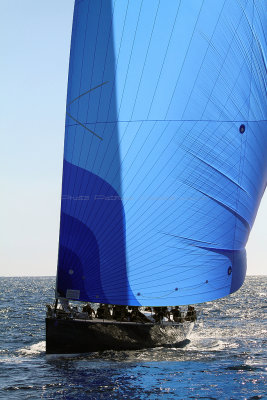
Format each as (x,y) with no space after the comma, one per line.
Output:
(165,156)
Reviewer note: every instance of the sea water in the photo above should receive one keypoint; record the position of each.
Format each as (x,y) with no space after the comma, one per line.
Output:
(226,358)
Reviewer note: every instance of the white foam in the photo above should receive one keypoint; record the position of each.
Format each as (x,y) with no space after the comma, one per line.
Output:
(34,349)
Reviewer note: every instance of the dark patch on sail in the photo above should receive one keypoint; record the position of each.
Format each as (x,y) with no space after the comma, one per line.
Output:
(78,268)
(93,232)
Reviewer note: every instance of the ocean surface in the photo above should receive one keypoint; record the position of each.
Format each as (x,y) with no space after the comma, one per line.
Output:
(226,358)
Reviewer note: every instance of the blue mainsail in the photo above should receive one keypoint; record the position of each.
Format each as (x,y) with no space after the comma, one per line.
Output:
(165,155)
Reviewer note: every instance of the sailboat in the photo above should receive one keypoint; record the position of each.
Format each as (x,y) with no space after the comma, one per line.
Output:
(165,162)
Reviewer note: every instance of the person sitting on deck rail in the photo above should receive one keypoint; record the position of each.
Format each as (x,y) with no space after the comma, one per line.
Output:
(191,314)
(159,314)
(166,313)
(194,314)
(103,312)
(49,311)
(89,310)
(65,304)
(120,313)
(177,315)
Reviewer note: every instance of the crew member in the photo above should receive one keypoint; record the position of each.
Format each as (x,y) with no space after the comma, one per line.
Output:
(176,313)
(191,314)
(137,316)
(120,313)
(159,314)
(89,310)
(103,312)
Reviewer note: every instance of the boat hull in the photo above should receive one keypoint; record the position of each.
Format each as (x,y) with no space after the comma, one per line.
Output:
(66,336)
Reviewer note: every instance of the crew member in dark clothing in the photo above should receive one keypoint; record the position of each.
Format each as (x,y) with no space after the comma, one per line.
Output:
(100,311)
(103,312)
(90,311)
(120,313)
(159,314)
(176,313)
(191,314)
(166,313)
(194,314)
(138,316)
(188,314)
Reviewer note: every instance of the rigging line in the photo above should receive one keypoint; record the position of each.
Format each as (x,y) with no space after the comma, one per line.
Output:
(88,91)
(85,127)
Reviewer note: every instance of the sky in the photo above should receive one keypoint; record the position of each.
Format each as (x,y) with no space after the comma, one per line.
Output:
(34,44)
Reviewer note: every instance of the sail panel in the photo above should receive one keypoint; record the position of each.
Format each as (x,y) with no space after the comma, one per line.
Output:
(165,155)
